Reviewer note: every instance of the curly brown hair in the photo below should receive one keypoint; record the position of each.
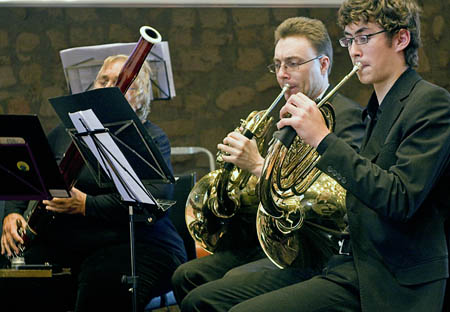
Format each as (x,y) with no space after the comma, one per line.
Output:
(312,29)
(391,15)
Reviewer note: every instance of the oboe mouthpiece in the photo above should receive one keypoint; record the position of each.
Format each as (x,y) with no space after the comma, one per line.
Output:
(286,86)
(358,65)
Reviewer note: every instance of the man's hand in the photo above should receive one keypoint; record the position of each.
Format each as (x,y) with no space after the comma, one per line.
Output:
(305,118)
(242,152)
(76,204)
(10,234)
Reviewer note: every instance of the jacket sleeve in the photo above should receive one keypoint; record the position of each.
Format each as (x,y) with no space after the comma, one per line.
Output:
(15,206)
(400,177)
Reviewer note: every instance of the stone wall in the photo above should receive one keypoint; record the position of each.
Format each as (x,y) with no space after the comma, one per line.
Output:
(219,58)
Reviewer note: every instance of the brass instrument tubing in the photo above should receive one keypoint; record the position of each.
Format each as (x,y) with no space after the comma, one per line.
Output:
(272,106)
(356,67)
(249,133)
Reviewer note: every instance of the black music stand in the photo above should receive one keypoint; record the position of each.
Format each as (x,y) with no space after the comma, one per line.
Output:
(27,166)
(113,110)
(100,142)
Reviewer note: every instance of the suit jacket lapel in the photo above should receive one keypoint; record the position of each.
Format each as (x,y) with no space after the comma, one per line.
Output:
(390,110)
(381,129)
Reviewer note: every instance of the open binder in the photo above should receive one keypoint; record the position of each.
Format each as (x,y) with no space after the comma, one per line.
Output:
(28,170)
(111,159)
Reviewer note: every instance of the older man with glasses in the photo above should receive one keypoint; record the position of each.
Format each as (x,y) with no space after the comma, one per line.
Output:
(302,59)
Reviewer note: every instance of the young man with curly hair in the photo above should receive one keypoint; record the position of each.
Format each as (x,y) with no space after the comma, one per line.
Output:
(396,257)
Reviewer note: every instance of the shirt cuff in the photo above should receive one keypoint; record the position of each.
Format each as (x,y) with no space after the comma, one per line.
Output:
(88,203)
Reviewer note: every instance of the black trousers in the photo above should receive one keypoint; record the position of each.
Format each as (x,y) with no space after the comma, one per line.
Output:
(336,289)
(241,284)
(96,280)
(194,273)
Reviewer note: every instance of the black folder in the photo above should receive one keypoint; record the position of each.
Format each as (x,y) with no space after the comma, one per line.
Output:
(28,169)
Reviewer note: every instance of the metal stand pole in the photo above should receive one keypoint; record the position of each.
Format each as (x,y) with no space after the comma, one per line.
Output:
(133,278)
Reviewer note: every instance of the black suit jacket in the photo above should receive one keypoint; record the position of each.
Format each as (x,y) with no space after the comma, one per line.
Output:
(396,196)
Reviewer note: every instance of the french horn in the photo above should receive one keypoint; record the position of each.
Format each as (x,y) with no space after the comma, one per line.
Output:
(301,212)
(220,194)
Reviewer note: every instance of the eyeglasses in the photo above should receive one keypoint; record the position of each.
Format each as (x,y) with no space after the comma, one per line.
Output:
(362,39)
(290,65)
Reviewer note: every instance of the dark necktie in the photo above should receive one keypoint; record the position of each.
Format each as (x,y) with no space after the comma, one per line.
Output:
(372,123)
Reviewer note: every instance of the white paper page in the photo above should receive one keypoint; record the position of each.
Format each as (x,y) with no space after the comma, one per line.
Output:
(133,184)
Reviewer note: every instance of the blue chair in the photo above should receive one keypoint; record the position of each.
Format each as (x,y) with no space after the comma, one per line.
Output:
(183,186)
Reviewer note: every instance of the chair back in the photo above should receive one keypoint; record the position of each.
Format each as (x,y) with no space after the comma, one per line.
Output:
(183,185)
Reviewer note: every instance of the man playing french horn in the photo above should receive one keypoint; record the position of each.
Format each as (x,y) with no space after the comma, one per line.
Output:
(302,59)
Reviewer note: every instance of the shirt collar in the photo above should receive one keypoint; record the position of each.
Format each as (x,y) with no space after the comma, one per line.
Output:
(373,108)
(322,94)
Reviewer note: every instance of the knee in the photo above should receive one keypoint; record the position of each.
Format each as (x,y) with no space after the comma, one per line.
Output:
(192,302)
(235,309)
(235,272)
(179,276)
(181,282)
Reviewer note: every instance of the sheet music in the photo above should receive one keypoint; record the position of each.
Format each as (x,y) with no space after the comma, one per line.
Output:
(125,179)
